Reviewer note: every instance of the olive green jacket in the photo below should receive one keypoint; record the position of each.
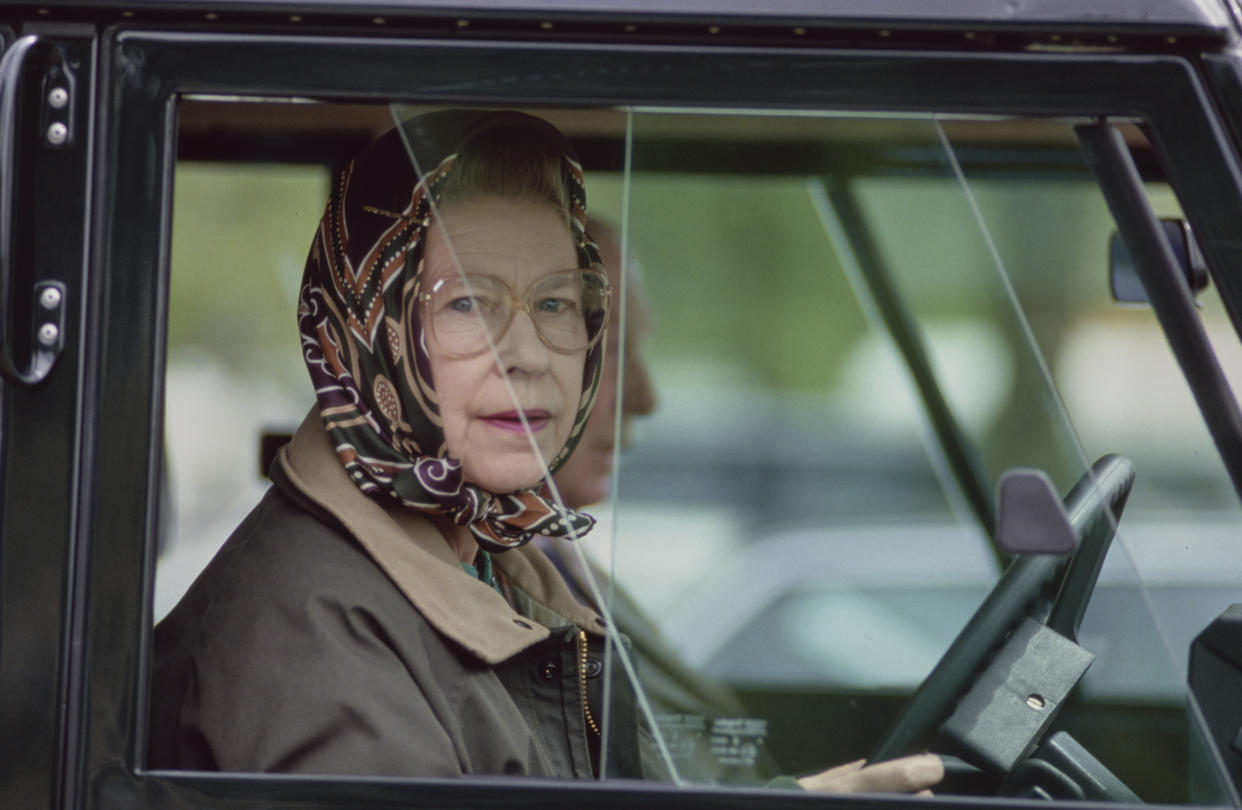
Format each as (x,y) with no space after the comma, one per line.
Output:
(332,634)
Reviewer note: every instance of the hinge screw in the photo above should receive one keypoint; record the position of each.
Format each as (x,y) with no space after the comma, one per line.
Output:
(48,334)
(57,134)
(50,298)
(58,97)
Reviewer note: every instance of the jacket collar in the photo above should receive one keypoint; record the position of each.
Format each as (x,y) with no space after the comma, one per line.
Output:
(409,549)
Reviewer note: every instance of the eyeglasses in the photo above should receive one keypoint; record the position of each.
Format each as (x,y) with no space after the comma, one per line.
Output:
(569,310)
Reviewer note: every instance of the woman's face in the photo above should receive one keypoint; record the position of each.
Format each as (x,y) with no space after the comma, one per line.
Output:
(518,242)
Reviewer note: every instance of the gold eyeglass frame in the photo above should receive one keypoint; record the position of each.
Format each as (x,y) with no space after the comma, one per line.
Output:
(518,304)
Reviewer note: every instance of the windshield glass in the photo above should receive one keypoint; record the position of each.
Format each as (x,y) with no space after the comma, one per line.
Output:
(828,338)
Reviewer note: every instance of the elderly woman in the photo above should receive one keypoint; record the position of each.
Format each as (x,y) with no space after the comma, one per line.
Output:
(362,619)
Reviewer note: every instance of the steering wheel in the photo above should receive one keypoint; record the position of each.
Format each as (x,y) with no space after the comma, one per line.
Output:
(1028,588)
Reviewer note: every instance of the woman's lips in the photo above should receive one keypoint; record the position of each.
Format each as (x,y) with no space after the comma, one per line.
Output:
(511,421)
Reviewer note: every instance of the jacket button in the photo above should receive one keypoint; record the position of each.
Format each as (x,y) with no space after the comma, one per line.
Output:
(593,668)
(549,671)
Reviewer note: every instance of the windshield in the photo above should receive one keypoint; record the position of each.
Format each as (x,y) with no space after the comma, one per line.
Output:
(829,337)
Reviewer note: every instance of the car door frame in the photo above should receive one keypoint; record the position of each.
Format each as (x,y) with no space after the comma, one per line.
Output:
(41,441)
(109,446)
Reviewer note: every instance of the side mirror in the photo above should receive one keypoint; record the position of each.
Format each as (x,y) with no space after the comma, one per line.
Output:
(1124,280)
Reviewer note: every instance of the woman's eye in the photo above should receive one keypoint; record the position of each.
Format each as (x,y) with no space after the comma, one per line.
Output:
(463,304)
(555,306)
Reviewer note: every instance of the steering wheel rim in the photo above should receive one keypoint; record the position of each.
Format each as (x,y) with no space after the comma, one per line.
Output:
(1094,505)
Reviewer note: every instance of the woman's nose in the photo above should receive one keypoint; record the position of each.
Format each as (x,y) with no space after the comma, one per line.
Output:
(520,347)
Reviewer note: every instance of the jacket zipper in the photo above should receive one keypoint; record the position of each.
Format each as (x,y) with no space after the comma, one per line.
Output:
(582,681)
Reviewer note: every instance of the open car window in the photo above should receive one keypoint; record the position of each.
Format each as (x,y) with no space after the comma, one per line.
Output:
(832,335)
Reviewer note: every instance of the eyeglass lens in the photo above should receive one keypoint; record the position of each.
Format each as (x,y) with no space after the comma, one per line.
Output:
(567,309)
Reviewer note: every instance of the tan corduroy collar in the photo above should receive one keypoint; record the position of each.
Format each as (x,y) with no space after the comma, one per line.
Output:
(416,558)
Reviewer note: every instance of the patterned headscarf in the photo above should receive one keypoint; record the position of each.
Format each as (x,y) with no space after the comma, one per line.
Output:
(362,336)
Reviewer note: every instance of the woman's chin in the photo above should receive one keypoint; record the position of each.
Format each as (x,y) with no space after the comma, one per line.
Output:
(506,466)
(509,479)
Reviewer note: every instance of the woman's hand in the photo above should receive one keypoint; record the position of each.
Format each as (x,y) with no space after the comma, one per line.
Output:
(913,774)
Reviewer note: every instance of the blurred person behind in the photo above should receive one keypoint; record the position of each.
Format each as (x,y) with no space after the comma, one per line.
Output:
(586,478)
(687,703)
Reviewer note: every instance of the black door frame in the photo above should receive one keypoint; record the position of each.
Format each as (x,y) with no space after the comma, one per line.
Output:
(143,73)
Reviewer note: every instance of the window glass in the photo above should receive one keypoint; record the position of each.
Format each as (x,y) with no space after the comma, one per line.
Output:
(829,337)
(1121,388)
(828,555)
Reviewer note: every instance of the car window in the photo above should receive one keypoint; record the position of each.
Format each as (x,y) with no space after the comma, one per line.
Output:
(1103,357)
(796,528)
(789,511)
